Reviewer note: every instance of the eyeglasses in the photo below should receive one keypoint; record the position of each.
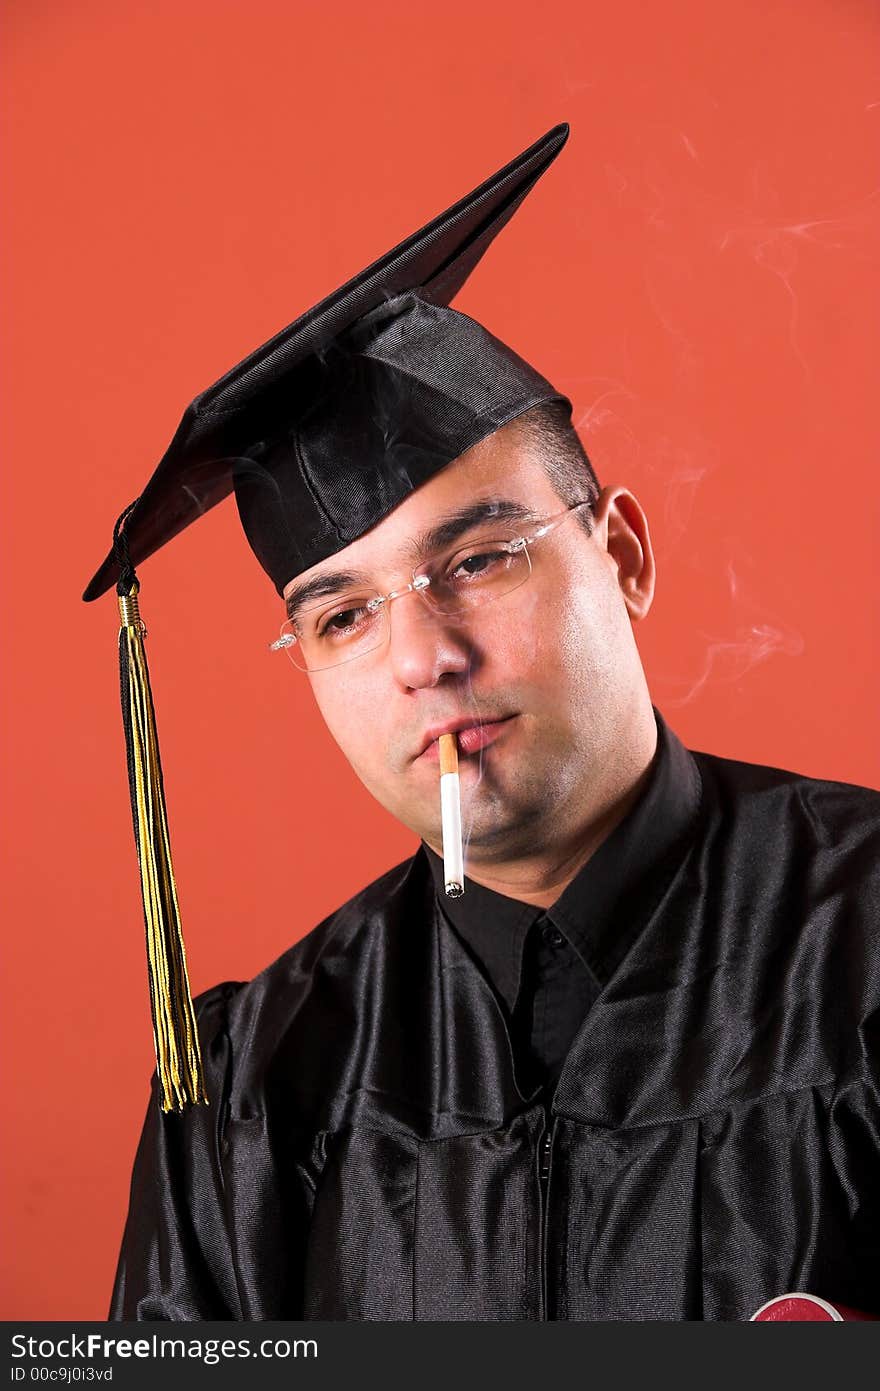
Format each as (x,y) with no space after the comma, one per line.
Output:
(453,584)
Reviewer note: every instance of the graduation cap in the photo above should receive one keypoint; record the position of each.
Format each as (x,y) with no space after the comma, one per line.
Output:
(319,433)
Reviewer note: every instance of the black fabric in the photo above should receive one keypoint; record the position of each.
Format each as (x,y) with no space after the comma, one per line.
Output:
(555,996)
(549,966)
(714,1133)
(412,389)
(380,383)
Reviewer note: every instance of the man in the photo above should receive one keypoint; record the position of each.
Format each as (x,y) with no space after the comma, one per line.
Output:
(630,1073)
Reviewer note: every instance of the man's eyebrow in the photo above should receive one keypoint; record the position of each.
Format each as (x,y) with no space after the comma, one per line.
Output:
(322,586)
(443,533)
(455,524)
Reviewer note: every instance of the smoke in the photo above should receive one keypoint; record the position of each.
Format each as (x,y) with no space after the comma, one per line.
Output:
(467,821)
(727,657)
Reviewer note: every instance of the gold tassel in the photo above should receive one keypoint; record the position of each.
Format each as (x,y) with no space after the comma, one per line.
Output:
(178,1057)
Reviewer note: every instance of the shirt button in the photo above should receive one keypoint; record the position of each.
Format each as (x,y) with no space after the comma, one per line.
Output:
(553,937)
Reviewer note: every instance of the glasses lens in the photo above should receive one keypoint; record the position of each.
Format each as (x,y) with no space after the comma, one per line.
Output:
(336,631)
(475,574)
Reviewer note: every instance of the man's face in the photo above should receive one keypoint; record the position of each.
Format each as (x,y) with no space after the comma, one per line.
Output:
(549,671)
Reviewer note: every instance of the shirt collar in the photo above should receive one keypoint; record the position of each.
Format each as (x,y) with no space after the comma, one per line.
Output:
(602,909)
(494,926)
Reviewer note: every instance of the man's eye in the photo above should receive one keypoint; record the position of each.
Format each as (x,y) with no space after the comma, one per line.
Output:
(345,621)
(476,566)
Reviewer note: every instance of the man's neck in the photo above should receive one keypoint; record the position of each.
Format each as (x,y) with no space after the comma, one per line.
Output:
(541,877)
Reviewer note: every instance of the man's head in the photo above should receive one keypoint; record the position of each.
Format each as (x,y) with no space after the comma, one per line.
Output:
(551,668)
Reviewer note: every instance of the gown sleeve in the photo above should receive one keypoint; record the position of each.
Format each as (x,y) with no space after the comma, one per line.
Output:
(175,1262)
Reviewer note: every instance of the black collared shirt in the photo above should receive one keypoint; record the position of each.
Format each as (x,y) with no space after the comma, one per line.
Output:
(548,965)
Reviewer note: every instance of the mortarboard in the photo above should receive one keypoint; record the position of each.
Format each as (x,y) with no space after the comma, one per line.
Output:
(319,433)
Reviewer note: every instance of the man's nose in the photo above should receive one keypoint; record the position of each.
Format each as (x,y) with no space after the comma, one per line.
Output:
(425,645)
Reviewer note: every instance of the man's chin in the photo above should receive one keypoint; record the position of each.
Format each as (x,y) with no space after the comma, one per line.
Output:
(498,820)
(503,833)
(488,838)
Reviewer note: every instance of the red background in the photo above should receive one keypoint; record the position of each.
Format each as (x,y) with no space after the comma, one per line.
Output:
(698,271)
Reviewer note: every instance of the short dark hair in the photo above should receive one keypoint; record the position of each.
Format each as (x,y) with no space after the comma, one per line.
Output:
(551,433)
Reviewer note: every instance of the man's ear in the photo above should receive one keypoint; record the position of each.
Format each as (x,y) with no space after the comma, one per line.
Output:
(620,528)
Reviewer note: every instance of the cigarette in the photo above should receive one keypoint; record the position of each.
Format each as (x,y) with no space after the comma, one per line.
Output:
(450,811)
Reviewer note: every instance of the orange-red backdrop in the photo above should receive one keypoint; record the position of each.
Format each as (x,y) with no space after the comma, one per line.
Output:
(698,271)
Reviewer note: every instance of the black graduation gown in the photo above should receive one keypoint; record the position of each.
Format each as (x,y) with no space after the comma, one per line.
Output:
(713,1138)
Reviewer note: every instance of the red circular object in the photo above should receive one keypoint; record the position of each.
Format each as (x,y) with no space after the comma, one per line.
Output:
(805,1308)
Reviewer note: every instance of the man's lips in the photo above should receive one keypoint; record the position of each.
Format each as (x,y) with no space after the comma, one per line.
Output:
(471,735)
